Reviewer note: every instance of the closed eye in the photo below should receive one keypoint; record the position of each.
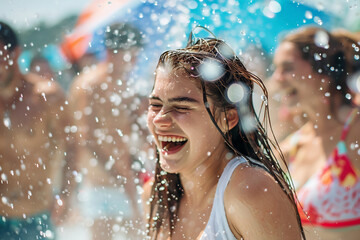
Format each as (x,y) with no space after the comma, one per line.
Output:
(181,109)
(155,106)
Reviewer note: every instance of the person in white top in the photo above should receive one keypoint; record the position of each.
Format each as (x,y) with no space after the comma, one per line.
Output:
(216,176)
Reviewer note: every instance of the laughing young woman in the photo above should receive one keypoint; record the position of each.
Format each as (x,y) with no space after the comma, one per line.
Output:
(216,176)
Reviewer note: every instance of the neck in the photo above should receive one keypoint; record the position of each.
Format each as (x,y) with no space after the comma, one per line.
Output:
(326,124)
(203,180)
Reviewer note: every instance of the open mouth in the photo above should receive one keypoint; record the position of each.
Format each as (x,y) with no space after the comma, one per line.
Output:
(171,144)
(288,93)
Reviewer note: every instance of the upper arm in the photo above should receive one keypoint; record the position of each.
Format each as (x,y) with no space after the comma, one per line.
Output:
(257,208)
(78,101)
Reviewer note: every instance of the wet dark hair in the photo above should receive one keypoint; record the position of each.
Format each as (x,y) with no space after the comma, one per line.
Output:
(8,36)
(122,36)
(330,55)
(251,143)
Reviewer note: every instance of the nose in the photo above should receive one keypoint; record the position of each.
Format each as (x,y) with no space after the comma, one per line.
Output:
(163,119)
(278,76)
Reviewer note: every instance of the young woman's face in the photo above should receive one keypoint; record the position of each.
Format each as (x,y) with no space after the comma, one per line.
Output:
(300,85)
(184,134)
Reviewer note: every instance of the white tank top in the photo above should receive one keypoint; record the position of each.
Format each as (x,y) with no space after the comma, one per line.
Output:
(217,227)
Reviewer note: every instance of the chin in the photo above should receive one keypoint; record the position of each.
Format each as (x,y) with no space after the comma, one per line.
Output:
(166,166)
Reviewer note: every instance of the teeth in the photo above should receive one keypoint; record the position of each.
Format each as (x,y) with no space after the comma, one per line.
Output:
(171,139)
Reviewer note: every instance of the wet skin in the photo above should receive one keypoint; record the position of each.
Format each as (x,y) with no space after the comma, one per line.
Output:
(176,110)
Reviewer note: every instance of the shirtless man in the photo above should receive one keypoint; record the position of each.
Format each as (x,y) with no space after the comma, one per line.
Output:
(104,104)
(35,136)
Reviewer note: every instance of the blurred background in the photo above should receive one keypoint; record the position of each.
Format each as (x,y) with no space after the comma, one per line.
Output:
(62,38)
(65,31)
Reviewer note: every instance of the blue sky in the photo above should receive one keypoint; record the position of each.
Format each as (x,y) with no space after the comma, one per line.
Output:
(26,13)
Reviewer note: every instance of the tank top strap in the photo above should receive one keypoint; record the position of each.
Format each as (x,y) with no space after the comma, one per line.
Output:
(349,119)
(227,173)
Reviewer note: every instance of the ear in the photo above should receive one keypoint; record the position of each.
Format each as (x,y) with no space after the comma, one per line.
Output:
(232,119)
(15,54)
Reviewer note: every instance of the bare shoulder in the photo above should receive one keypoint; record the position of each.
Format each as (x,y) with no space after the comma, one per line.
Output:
(257,207)
(250,183)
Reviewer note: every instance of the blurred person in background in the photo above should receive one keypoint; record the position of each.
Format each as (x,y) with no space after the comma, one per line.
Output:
(285,120)
(312,69)
(41,66)
(36,149)
(105,107)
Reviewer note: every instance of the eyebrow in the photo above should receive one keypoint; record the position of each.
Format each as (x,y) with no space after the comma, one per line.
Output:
(176,99)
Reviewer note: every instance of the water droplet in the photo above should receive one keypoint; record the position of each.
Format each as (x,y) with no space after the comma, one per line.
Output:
(226,51)
(4,200)
(73,129)
(308,15)
(211,70)
(59,202)
(274,6)
(317,57)
(6,120)
(353,82)
(116,227)
(3,177)
(322,39)
(104,86)
(43,95)
(264,99)
(119,132)
(235,92)
(49,234)
(318,20)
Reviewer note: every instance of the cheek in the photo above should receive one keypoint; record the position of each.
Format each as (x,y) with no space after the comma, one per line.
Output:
(150,118)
